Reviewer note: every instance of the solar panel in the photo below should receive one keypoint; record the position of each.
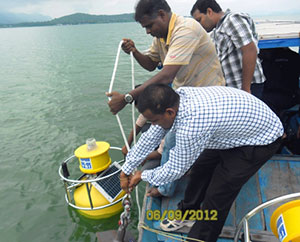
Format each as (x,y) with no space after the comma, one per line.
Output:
(109,187)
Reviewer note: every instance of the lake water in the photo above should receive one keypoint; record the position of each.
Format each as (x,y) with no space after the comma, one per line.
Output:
(52,95)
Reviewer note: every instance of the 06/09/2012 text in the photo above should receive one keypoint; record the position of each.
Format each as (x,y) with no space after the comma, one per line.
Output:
(207,215)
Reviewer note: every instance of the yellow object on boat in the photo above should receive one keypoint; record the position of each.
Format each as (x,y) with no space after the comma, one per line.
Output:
(285,222)
(93,156)
(98,200)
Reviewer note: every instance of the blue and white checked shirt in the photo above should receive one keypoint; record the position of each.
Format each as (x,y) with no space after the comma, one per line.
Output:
(208,118)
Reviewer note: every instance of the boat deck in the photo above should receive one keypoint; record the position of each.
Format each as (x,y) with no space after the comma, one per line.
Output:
(273,34)
(279,176)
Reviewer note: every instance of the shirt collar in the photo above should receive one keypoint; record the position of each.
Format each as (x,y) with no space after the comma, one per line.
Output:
(178,117)
(222,19)
(170,29)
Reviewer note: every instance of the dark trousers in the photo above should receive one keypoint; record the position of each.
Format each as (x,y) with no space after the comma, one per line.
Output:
(215,181)
(257,89)
(279,100)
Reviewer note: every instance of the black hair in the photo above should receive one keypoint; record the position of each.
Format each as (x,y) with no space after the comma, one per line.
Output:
(150,8)
(157,98)
(203,5)
(194,8)
(136,100)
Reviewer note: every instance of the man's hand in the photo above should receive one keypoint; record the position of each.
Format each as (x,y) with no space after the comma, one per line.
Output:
(135,179)
(124,181)
(117,102)
(124,150)
(128,46)
(153,192)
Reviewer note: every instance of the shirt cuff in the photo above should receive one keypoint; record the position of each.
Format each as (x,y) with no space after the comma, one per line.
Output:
(127,169)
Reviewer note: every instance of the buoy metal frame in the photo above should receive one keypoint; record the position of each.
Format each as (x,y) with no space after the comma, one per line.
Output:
(244,222)
(71,184)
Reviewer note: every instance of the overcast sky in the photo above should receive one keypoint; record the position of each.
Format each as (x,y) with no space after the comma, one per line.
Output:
(58,8)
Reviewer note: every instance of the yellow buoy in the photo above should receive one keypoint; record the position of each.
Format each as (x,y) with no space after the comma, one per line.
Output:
(82,200)
(93,156)
(285,222)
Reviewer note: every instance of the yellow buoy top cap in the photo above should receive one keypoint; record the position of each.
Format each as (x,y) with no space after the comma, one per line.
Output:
(92,149)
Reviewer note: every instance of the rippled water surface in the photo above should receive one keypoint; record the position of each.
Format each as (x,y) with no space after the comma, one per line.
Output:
(52,85)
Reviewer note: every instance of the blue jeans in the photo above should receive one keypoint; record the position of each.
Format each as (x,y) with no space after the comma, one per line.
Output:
(169,188)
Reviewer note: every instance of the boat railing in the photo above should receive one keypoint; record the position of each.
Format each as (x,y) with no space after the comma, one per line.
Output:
(244,222)
(71,184)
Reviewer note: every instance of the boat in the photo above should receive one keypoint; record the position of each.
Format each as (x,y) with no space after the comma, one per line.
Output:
(277,182)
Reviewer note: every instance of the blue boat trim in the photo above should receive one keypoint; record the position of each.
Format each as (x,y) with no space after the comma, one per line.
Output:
(276,43)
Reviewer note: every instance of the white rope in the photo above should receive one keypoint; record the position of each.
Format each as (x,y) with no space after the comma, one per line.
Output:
(134,130)
(133,104)
(115,67)
(133,109)
(173,236)
(110,90)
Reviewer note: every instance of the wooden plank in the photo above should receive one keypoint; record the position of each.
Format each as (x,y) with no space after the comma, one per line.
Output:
(277,178)
(143,215)
(231,218)
(255,235)
(249,198)
(295,167)
(170,203)
(228,234)
(286,157)
(150,204)
(111,235)
(278,29)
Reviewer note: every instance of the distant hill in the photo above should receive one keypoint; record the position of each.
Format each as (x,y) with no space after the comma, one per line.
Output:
(14,18)
(77,18)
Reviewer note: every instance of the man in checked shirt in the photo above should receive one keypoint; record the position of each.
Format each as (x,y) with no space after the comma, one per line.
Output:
(235,39)
(223,134)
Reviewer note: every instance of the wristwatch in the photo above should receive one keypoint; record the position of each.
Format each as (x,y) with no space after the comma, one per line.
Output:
(128,98)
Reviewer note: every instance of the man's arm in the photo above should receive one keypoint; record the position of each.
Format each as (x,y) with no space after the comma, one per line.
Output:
(165,76)
(145,61)
(154,155)
(181,158)
(145,145)
(130,138)
(249,53)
